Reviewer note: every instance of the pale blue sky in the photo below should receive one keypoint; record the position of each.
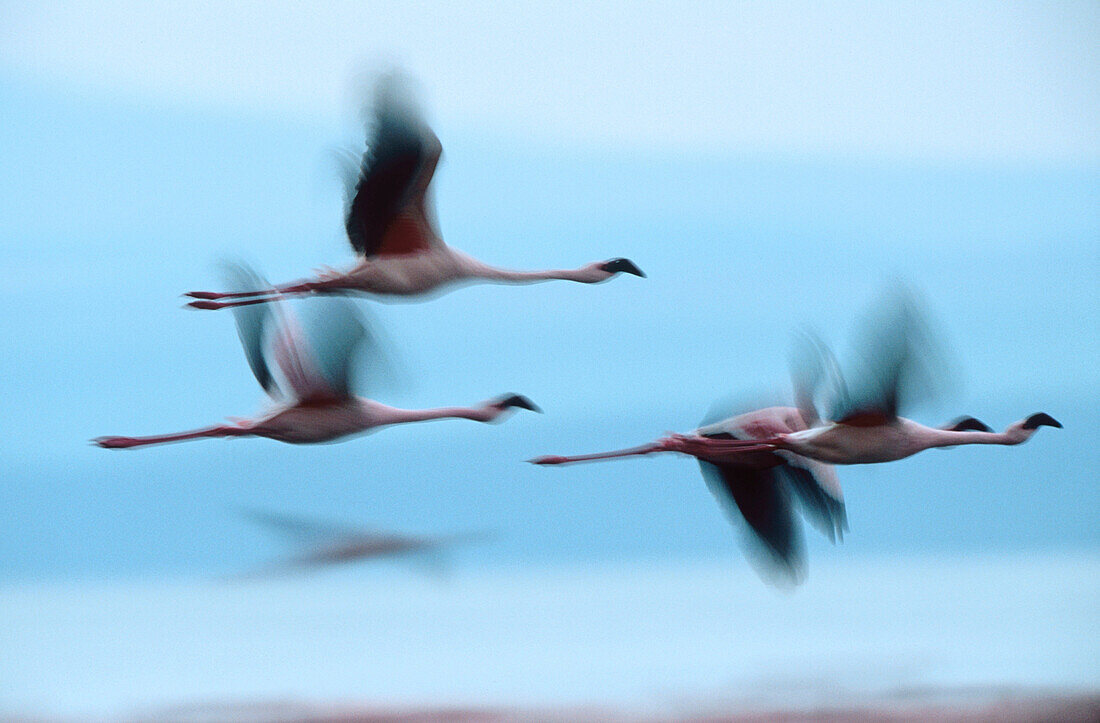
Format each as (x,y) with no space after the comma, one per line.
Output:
(913,79)
(133,166)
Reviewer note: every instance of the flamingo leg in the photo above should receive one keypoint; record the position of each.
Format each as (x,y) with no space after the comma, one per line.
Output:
(719,449)
(215,305)
(128,442)
(632,451)
(693,445)
(215,295)
(210,299)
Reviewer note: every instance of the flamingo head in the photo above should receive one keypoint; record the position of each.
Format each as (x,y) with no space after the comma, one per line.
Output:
(1041,419)
(1021,431)
(623,266)
(518,401)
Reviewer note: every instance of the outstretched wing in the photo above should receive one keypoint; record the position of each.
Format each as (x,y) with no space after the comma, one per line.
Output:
(815,375)
(763,500)
(253,323)
(898,362)
(817,488)
(339,334)
(314,359)
(315,351)
(388,211)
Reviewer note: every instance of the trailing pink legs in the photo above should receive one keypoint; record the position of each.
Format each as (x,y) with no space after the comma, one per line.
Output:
(693,445)
(209,299)
(221,430)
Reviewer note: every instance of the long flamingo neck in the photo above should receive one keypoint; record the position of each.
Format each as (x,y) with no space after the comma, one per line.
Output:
(508,276)
(394,415)
(950,438)
(450,413)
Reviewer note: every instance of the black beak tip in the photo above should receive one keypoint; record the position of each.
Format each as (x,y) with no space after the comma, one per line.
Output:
(519,401)
(623,266)
(1041,419)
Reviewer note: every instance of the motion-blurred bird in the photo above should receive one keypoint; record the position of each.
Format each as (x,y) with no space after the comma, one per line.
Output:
(769,462)
(325,544)
(315,364)
(391,226)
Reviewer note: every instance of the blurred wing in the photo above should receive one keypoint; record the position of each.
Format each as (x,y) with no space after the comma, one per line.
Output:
(388,211)
(817,488)
(252,323)
(762,499)
(332,329)
(899,362)
(721,410)
(815,375)
(296,360)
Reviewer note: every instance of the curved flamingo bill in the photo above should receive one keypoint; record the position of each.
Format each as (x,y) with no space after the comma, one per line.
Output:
(622,266)
(1041,419)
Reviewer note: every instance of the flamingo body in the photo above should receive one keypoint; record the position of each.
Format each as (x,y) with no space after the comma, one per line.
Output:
(391,226)
(325,544)
(765,464)
(835,443)
(318,422)
(307,373)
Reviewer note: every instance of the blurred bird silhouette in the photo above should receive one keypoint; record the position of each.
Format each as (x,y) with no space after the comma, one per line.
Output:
(391,225)
(771,463)
(314,400)
(325,544)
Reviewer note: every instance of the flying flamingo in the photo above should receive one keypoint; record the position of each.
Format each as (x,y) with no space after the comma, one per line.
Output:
(391,226)
(315,363)
(769,462)
(326,544)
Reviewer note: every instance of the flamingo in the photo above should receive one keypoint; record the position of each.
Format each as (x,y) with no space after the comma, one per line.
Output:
(391,226)
(315,364)
(326,544)
(767,464)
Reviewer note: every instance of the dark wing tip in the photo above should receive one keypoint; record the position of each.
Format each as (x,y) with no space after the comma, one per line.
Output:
(623,266)
(1041,419)
(397,161)
(519,401)
(968,424)
(761,504)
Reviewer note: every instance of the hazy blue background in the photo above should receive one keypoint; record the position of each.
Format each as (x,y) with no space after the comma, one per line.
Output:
(769,166)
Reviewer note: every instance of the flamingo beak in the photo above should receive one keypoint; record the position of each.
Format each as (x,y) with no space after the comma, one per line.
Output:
(519,401)
(1042,419)
(624,266)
